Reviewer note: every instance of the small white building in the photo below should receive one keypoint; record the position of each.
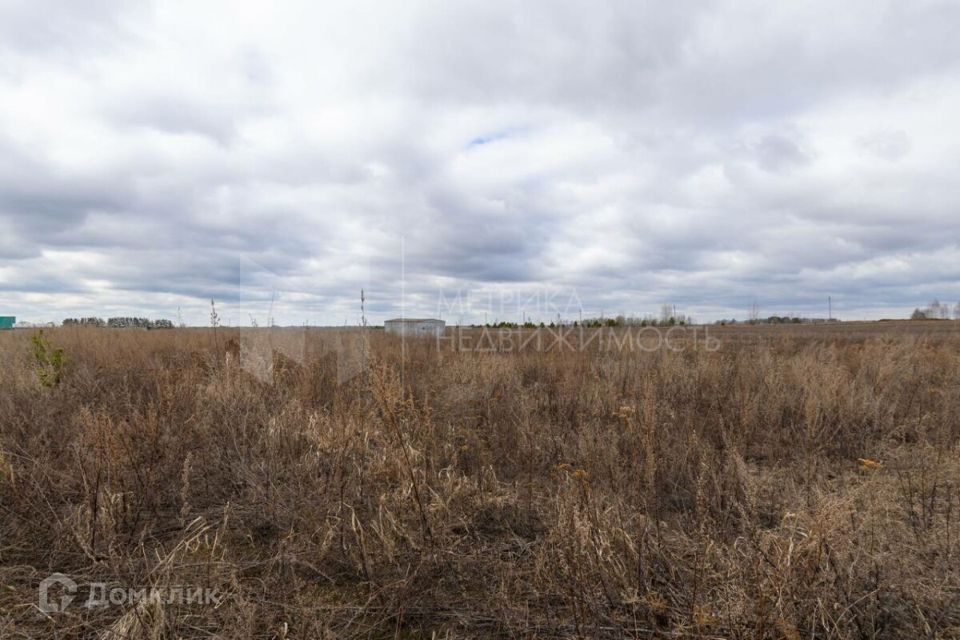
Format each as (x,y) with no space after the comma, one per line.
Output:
(426,327)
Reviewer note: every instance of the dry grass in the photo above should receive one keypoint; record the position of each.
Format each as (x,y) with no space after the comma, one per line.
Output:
(790,485)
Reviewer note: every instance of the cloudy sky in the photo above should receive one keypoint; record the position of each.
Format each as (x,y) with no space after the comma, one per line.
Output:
(470,157)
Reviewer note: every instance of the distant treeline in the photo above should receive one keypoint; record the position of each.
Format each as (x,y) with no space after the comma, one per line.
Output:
(619,321)
(936,310)
(779,320)
(119,323)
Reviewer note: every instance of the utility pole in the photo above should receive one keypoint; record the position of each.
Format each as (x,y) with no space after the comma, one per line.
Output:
(829,308)
(363,313)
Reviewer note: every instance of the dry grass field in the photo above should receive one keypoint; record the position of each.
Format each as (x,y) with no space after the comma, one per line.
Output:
(796,482)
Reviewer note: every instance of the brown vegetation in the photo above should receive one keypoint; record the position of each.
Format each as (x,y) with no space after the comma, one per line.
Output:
(791,485)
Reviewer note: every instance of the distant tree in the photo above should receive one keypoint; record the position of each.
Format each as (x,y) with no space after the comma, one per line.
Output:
(666,312)
(214,316)
(956,311)
(937,310)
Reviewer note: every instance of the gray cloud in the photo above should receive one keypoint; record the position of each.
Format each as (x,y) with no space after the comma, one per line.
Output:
(34,28)
(153,157)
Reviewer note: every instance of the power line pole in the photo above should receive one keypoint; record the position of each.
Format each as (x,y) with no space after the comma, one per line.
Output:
(363,313)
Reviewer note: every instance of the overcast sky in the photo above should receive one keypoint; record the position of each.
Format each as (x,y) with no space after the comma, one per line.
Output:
(508,157)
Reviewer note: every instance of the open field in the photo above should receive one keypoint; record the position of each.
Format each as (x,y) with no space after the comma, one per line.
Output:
(793,482)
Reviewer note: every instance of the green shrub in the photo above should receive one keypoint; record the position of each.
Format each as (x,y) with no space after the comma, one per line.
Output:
(49,361)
